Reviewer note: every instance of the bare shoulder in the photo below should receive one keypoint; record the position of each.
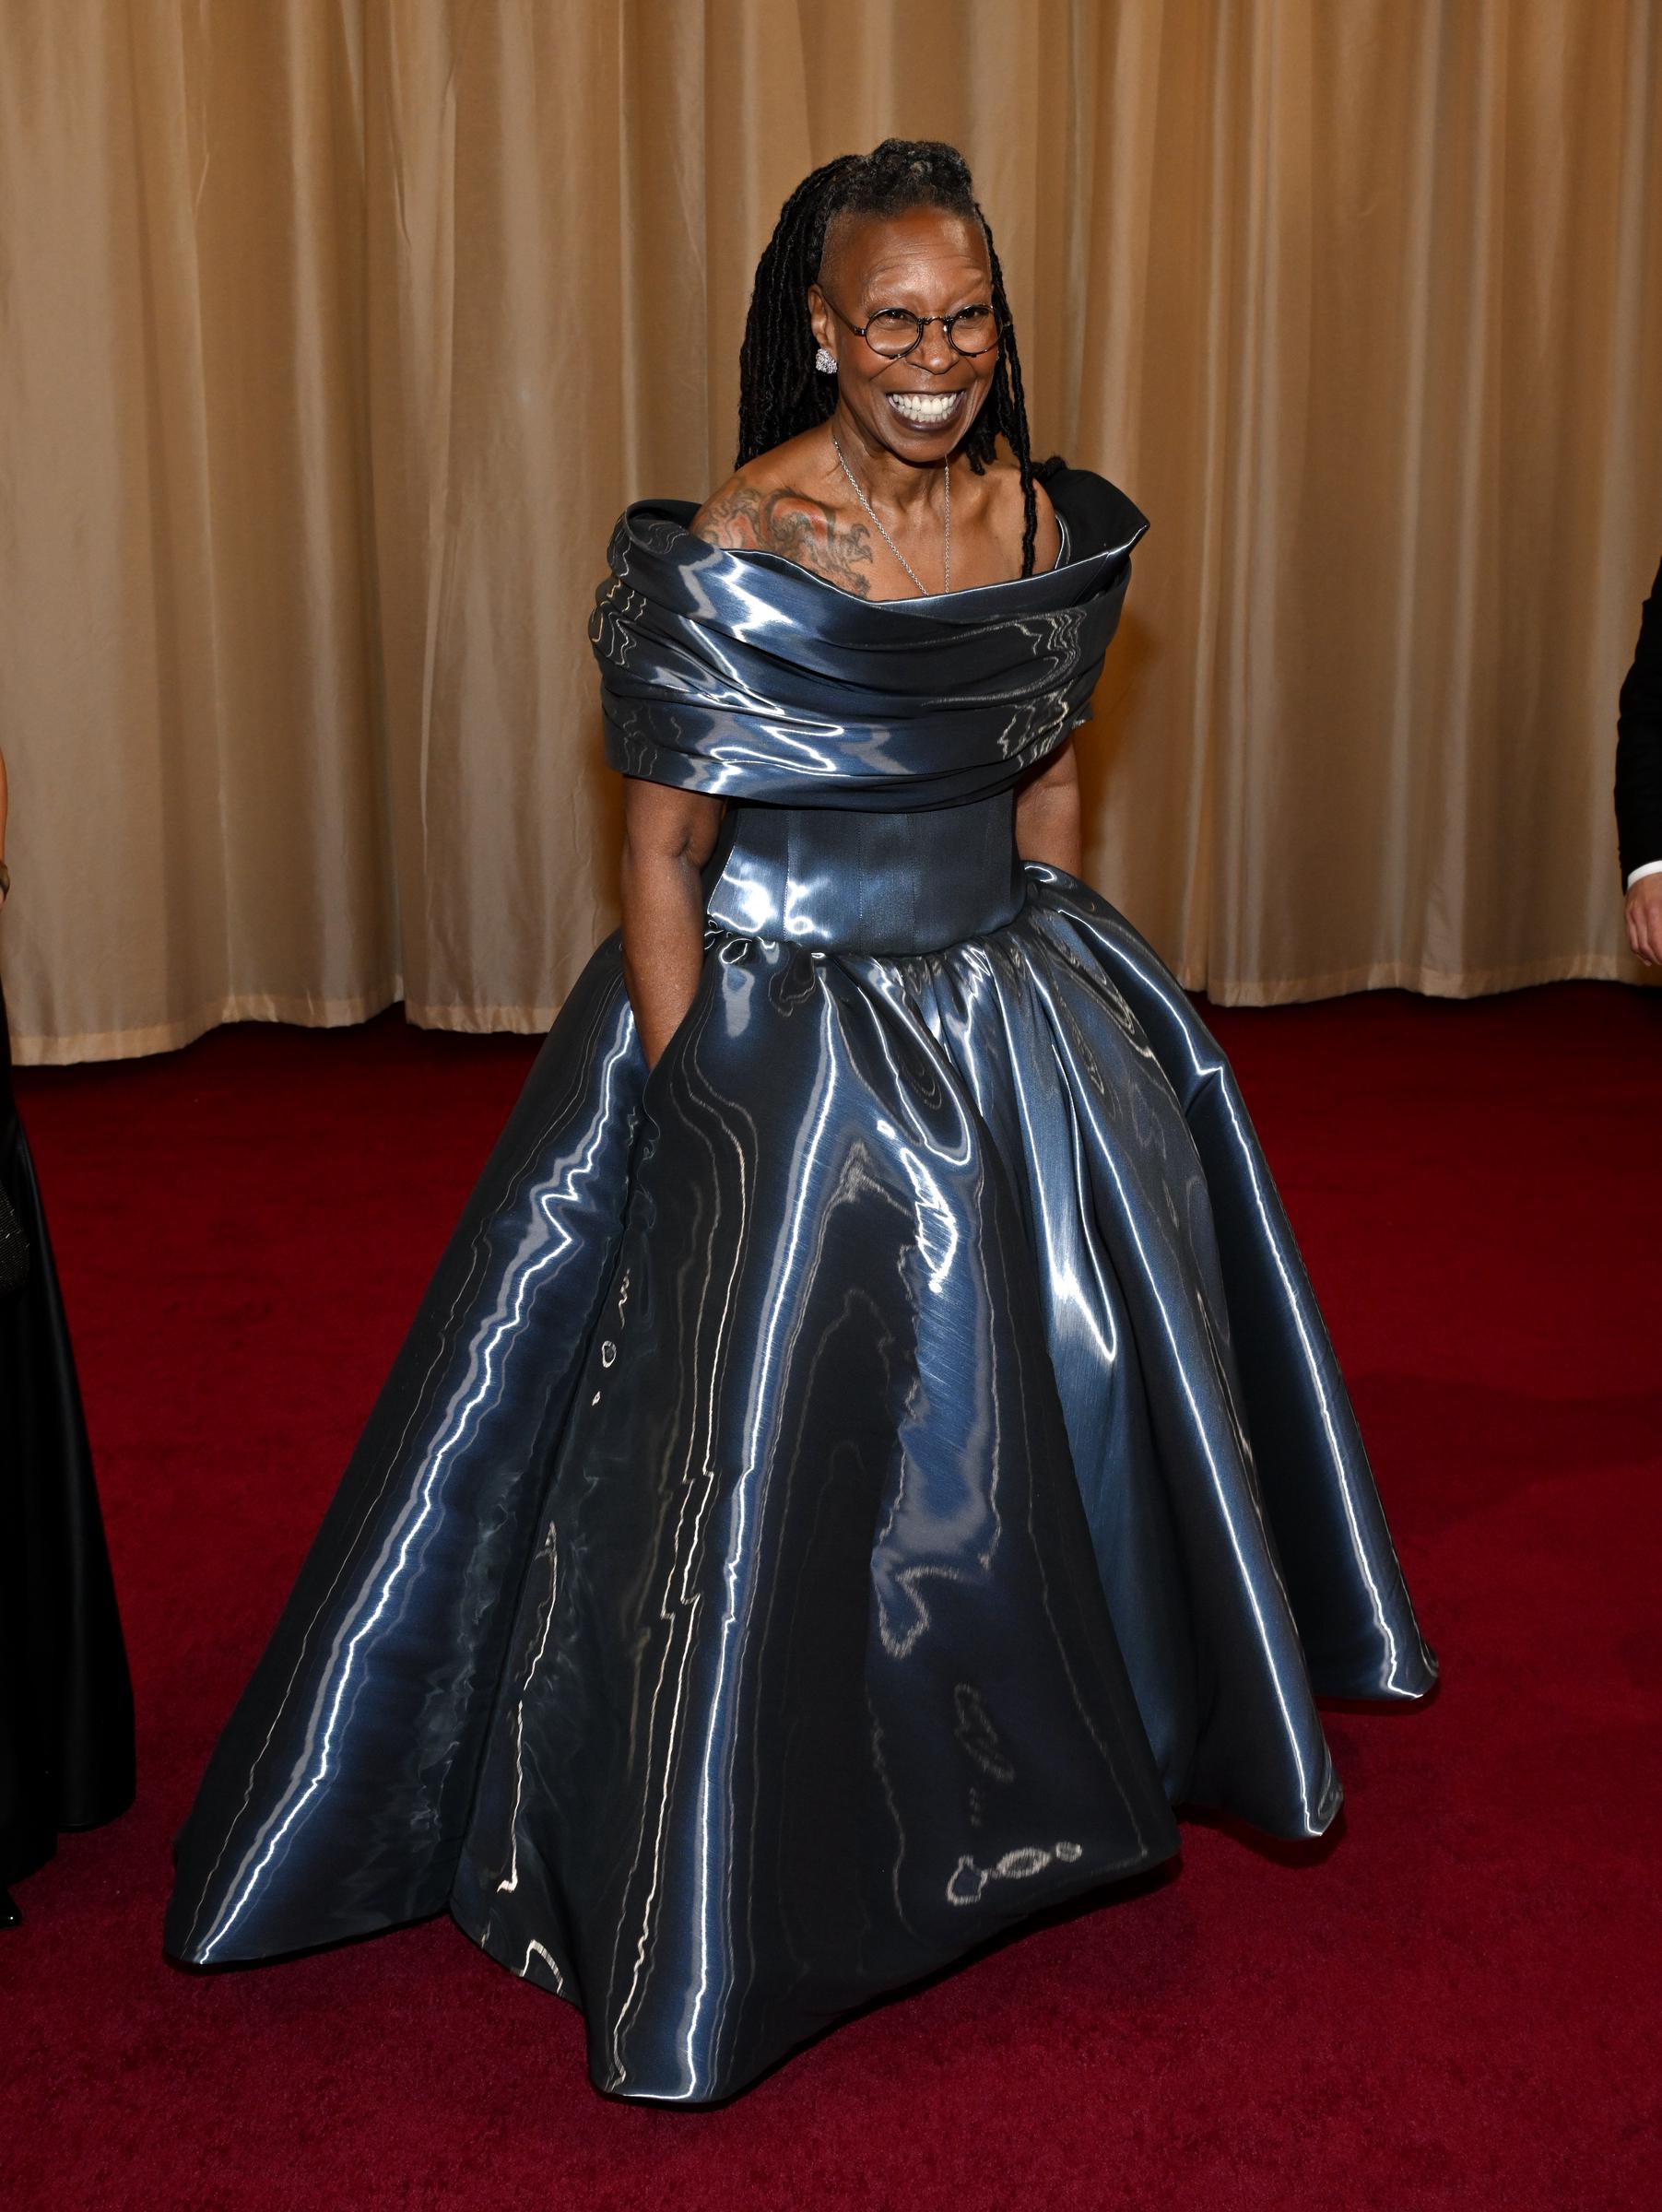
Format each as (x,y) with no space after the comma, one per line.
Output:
(1007,517)
(780,503)
(750,515)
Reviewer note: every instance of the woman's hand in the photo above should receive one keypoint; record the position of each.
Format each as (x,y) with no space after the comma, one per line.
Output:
(1645,919)
(667,837)
(1047,813)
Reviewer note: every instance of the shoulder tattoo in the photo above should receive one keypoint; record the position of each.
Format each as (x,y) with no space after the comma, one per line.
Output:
(804,530)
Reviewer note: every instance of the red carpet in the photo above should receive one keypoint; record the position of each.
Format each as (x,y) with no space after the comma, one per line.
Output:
(1455,2005)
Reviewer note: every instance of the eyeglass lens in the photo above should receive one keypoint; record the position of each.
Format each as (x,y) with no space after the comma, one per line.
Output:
(895,330)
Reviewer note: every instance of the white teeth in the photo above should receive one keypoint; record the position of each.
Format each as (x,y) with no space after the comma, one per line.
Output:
(924,407)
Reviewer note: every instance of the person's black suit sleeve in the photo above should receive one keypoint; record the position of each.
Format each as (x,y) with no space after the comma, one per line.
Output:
(1639,744)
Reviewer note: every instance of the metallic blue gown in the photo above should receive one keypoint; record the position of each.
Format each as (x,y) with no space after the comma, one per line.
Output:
(842,1489)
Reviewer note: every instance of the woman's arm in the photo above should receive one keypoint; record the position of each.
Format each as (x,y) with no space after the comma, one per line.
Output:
(1047,813)
(667,837)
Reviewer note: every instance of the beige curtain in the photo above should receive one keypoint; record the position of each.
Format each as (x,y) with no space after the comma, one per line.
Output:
(335,333)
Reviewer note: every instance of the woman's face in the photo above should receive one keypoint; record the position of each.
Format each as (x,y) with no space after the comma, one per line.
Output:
(918,407)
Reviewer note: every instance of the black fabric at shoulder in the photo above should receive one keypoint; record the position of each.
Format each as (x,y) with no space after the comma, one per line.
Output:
(1098,514)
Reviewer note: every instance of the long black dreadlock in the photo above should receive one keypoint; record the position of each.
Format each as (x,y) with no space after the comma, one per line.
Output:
(781,392)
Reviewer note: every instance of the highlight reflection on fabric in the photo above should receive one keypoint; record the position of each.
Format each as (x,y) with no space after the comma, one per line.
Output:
(843,1489)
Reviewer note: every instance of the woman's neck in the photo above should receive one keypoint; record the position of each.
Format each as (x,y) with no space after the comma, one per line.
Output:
(902,486)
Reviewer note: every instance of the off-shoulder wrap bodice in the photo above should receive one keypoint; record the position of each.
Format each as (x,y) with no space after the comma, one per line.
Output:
(870,748)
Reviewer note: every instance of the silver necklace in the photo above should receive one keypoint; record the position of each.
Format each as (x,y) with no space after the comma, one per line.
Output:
(946,543)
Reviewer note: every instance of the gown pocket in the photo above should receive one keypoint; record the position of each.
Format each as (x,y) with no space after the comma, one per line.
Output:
(675,1044)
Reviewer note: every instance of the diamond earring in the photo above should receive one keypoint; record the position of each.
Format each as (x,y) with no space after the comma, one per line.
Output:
(825,362)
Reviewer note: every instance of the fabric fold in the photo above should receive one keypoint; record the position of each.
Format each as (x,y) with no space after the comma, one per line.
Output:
(742,674)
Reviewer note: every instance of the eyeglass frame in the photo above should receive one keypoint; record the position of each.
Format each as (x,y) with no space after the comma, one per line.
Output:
(976,307)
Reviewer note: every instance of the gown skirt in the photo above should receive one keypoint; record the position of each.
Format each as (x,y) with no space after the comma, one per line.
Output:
(65,1704)
(842,1489)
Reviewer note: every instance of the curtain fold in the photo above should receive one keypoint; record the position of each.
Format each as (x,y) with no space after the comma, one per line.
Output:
(336,332)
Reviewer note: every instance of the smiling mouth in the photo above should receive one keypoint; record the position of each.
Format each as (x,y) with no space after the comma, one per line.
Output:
(926,410)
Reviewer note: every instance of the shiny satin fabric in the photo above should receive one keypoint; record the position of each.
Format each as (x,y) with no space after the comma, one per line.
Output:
(843,1489)
(884,882)
(65,1702)
(749,677)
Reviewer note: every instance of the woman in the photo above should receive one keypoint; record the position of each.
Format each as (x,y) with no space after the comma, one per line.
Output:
(870,1448)
(66,1705)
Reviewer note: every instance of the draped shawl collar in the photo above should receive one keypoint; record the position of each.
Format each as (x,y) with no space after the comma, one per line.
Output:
(747,676)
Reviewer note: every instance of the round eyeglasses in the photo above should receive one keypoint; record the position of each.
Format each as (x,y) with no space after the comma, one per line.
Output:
(895,331)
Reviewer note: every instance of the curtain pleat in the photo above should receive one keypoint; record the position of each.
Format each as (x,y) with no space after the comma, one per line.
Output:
(336,334)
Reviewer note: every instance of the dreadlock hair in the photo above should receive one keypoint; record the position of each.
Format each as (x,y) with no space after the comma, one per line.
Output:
(781,392)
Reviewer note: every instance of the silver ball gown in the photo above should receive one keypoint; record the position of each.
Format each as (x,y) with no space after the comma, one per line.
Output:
(842,1489)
